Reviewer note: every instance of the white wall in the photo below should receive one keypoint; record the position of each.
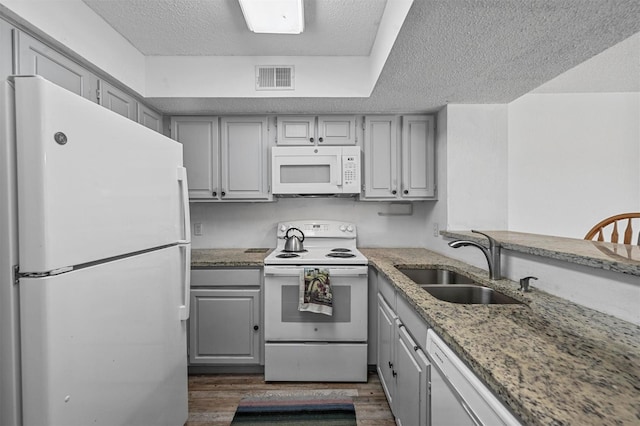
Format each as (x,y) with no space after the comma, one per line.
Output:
(573,160)
(476,177)
(233,225)
(75,25)
(572,157)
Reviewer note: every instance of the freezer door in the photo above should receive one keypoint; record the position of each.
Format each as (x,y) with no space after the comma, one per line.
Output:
(91,183)
(105,345)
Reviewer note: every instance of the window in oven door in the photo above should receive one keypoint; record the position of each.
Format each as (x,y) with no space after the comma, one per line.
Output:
(284,322)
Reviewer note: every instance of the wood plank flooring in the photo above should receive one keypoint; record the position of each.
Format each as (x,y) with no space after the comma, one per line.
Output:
(213,398)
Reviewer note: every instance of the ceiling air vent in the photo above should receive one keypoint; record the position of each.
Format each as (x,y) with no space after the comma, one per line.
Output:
(274,77)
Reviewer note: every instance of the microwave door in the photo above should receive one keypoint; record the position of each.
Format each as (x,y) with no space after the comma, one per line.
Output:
(320,174)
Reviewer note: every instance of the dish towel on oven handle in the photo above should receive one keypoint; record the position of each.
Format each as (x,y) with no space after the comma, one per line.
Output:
(315,291)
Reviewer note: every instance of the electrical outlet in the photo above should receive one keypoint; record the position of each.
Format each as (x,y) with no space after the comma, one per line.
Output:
(197,228)
(436,230)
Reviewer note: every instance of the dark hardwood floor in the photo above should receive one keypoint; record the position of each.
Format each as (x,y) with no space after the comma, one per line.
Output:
(213,398)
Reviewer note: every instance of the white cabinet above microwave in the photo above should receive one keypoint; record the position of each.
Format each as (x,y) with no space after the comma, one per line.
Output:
(308,130)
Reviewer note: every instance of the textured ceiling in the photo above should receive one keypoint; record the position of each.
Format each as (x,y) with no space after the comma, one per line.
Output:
(455,51)
(217,28)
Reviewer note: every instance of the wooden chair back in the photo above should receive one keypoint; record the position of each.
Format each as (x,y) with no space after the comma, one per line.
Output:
(624,220)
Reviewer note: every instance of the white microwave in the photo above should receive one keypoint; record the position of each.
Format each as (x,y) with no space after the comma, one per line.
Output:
(315,170)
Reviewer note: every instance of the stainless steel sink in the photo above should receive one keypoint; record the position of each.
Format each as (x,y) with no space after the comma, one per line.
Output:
(435,276)
(468,294)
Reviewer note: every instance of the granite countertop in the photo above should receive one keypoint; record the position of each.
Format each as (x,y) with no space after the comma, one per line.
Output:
(239,257)
(623,258)
(551,361)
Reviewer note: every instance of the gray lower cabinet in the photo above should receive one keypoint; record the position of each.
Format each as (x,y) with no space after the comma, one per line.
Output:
(386,341)
(424,381)
(403,369)
(34,57)
(225,324)
(412,402)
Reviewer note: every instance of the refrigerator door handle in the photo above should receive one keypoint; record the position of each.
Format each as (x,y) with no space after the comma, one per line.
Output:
(184,189)
(183,310)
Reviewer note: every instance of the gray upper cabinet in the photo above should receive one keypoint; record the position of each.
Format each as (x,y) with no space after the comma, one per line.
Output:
(6,49)
(418,157)
(399,158)
(316,130)
(201,144)
(296,130)
(245,159)
(117,101)
(149,118)
(380,157)
(35,58)
(336,130)
(228,162)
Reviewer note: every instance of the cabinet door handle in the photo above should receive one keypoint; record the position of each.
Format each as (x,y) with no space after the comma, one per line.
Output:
(406,191)
(390,364)
(256,327)
(224,193)
(311,140)
(215,193)
(393,372)
(394,192)
(320,140)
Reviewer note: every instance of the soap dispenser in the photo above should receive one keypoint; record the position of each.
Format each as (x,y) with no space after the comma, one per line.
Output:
(524,283)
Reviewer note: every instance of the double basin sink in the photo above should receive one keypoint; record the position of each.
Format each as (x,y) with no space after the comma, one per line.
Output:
(454,287)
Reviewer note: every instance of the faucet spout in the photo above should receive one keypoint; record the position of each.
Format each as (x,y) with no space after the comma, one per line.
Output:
(492,254)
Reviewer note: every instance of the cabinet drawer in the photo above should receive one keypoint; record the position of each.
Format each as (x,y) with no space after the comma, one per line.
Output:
(416,326)
(226,277)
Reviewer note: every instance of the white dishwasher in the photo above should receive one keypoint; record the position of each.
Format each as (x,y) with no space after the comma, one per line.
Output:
(458,397)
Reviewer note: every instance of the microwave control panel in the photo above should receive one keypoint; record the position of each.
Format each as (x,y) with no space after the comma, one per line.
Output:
(350,171)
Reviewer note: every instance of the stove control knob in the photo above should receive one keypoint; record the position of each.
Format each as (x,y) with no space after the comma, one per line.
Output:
(350,228)
(343,228)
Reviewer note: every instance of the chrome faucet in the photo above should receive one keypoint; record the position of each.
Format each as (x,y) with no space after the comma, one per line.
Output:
(492,254)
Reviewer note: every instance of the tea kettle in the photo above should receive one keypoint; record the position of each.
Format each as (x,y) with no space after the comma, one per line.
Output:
(293,243)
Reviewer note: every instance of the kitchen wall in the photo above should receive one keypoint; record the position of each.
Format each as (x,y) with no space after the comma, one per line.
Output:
(573,160)
(229,225)
(574,146)
(81,31)
(570,159)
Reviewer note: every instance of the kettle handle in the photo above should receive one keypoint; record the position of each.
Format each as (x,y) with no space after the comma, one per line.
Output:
(294,229)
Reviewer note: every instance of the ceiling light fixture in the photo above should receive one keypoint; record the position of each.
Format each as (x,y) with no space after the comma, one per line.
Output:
(274,16)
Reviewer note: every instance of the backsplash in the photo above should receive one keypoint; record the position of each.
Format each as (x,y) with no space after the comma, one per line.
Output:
(237,225)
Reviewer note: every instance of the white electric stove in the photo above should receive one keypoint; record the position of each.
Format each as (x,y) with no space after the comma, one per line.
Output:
(310,346)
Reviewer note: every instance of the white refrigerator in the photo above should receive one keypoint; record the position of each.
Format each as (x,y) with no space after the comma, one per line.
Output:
(94,241)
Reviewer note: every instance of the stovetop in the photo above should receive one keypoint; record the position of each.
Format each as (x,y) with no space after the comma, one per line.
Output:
(326,242)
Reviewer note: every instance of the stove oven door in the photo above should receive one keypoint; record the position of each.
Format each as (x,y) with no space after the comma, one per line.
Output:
(285,323)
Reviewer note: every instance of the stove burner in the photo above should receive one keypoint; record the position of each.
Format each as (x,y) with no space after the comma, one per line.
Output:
(287,255)
(341,255)
(340,250)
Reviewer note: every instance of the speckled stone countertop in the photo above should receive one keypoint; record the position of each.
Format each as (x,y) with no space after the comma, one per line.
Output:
(623,258)
(203,258)
(551,361)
